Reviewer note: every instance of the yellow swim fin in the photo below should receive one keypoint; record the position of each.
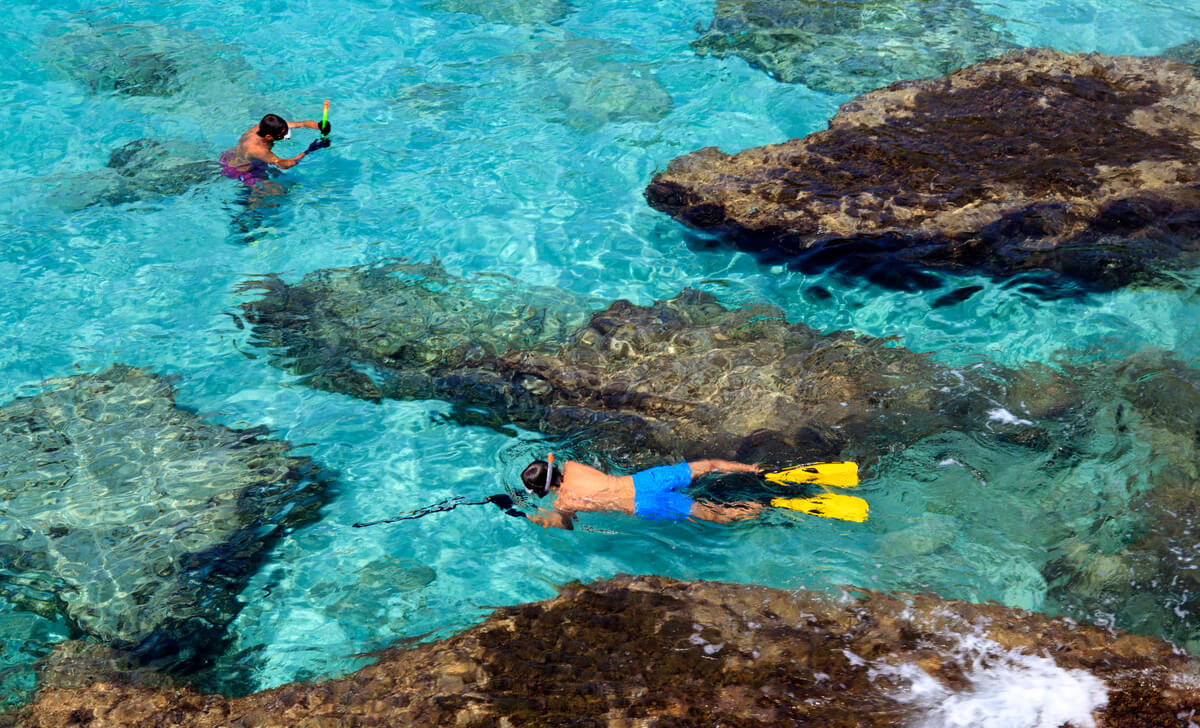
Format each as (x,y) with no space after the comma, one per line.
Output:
(839,475)
(827,505)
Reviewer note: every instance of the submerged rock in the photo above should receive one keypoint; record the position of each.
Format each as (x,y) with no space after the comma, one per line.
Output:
(139,59)
(144,169)
(851,47)
(685,377)
(510,12)
(653,651)
(1188,52)
(1087,165)
(387,331)
(133,519)
(586,84)
(1137,567)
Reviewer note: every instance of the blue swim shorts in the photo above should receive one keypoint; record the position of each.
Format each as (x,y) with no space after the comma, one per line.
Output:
(655,496)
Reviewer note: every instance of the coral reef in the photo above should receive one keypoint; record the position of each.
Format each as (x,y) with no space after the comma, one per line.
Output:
(132,519)
(851,47)
(652,651)
(1084,165)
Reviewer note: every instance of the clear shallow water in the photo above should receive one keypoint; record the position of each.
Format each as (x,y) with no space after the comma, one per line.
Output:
(523,149)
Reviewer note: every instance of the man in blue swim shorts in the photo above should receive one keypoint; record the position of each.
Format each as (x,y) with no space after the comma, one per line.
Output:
(655,493)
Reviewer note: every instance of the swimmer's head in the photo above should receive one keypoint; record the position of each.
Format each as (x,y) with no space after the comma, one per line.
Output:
(534,478)
(275,126)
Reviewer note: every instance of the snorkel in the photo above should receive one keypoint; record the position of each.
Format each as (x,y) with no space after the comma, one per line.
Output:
(324,128)
(549,470)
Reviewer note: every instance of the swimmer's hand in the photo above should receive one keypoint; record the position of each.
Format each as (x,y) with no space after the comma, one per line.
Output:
(317,144)
(506,504)
(503,501)
(324,127)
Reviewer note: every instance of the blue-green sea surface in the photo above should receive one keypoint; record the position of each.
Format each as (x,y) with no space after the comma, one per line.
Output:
(516,139)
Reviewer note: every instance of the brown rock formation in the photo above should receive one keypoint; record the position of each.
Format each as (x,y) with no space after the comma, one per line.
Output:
(647,651)
(685,377)
(1087,165)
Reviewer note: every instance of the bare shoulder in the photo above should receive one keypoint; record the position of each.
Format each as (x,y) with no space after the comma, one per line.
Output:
(573,468)
(253,141)
(579,478)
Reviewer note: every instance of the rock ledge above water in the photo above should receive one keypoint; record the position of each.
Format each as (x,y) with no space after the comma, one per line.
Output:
(657,652)
(1038,160)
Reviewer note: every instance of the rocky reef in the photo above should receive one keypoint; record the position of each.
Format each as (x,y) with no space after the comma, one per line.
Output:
(1086,166)
(139,59)
(851,47)
(685,377)
(132,519)
(144,169)
(652,651)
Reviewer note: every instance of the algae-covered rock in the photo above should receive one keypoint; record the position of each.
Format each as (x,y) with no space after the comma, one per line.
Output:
(690,378)
(851,46)
(390,330)
(1087,165)
(144,169)
(653,651)
(133,519)
(139,59)
(685,377)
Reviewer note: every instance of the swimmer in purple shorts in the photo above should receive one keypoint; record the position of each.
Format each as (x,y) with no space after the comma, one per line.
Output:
(247,161)
(655,493)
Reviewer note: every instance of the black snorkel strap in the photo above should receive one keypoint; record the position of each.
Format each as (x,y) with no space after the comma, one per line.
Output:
(502,500)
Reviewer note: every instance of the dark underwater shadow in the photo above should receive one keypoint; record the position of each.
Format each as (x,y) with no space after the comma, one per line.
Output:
(1074,272)
(254,210)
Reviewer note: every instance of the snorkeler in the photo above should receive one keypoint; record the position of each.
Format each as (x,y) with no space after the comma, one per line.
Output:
(653,493)
(248,160)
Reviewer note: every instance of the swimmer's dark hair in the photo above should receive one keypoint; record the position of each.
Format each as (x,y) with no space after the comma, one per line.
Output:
(273,125)
(534,478)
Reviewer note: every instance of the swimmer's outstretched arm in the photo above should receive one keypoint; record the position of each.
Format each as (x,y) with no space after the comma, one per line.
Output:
(703,467)
(303,125)
(553,519)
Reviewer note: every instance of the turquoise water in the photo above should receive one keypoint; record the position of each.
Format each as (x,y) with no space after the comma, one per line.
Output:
(515,143)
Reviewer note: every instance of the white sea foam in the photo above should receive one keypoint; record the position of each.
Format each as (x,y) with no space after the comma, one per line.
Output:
(1007,690)
(1005,417)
